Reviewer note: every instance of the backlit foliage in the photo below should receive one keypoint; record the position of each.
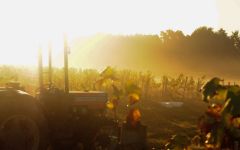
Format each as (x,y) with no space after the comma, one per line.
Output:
(121,84)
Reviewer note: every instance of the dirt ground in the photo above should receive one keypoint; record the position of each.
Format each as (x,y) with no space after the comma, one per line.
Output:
(163,122)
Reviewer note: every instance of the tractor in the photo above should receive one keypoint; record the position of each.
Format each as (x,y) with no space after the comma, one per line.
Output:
(59,119)
(55,119)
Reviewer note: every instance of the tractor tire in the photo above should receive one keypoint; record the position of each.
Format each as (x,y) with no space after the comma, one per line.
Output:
(22,123)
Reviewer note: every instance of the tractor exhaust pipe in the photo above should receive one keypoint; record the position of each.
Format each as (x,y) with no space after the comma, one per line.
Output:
(40,70)
(50,64)
(66,65)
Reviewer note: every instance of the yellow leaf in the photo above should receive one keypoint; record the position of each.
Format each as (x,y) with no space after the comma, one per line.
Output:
(133,98)
(109,105)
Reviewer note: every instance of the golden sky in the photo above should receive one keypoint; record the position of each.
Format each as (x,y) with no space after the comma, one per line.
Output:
(27,24)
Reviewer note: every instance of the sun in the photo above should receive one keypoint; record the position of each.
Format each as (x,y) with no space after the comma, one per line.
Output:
(27,25)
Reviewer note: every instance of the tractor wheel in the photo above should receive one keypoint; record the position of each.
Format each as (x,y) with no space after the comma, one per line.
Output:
(22,124)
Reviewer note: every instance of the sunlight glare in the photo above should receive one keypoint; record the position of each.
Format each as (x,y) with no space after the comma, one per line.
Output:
(27,25)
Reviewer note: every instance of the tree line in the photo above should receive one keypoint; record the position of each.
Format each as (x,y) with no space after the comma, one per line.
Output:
(204,50)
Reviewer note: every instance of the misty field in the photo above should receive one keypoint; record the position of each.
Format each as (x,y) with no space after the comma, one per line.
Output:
(162,122)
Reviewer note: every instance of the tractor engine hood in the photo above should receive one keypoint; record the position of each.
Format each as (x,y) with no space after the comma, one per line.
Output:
(90,99)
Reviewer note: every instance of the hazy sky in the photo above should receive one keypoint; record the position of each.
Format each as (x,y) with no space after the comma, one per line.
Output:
(26,24)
